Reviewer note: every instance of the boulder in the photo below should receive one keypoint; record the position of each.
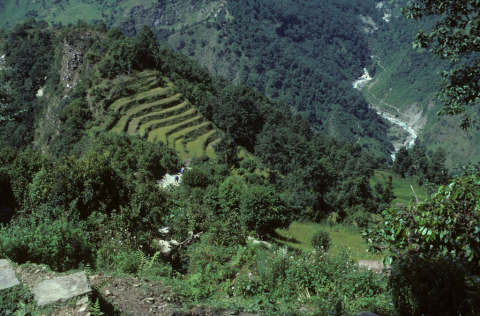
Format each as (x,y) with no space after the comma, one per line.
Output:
(8,278)
(61,288)
(366,314)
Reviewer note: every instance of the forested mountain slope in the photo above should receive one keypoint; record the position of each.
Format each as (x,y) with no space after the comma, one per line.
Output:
(99,81)
(405,82)
(304,53)
(91,119)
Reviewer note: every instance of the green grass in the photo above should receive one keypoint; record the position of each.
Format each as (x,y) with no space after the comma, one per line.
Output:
(120,103)
(168,121)
(142,122)
(195,147)
(178,146)
(162,132)
(298,236)
(209,151)
(401,187)
(140,109)
(185,132)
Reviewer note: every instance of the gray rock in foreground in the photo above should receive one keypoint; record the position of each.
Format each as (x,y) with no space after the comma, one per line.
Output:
(366,314)
(8,278)
(61,288)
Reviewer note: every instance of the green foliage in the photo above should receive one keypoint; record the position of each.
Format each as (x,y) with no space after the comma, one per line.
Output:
(321,239)
(447,224)
(28,53)
(196,177)
(249,165)
(453,37)
(423,285)
(61,244)
(261,209)
(361,219)
(230,194)
(95,309)
(16,300)
(414,161)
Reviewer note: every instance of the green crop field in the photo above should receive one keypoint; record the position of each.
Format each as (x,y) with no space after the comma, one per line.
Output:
(401,187)
(164,115)
(298,236)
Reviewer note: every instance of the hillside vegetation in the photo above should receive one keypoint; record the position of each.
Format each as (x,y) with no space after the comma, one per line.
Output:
(79,166)
(405,82)
(315,50)
(92,119)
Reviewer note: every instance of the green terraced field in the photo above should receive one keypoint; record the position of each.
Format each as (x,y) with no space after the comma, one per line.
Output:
(139,110)
(197,147)
(210,151)
(140,98)
(138,125)
(164,115)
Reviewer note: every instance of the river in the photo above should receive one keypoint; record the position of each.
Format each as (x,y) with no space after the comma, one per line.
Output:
(410,140)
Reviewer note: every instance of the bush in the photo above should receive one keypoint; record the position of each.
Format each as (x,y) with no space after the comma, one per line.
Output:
(423,285)
(261,209)
(196,177)
(60,244)
(321,239)
(249,164)
(362,219)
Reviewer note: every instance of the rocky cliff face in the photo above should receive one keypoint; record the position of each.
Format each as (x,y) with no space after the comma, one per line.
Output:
(70,66)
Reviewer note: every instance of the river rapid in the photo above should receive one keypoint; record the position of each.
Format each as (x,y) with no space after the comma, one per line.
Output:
(412,134)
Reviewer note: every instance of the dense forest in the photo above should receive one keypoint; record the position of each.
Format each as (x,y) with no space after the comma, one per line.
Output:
(314,52)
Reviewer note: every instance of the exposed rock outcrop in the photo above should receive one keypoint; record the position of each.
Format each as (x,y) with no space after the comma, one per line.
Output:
(62,289)
(8,278)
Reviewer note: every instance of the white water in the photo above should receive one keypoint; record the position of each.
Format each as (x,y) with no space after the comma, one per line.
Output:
(362,81)
(411,132)
(2,60)
(359,84)
(40,92)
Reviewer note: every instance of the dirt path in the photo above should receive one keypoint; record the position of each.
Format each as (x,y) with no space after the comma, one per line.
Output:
(382,100)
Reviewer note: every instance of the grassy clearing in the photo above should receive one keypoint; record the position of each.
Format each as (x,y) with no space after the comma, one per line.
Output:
(298,236)
(401,187)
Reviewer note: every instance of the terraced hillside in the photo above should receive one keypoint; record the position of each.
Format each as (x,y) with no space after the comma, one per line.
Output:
(163,114)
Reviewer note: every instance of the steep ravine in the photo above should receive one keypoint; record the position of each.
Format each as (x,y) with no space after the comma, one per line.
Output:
(409,124)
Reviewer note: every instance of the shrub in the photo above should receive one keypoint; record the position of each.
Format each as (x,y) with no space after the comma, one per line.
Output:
(321,239)
(423,285)
(196,177)
(362,219)
(261,209)
(249,164)
(60,244)
(241,171)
